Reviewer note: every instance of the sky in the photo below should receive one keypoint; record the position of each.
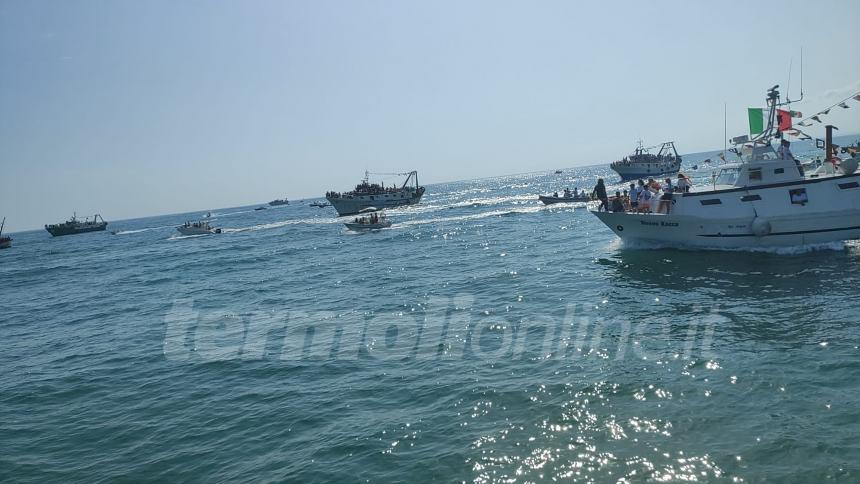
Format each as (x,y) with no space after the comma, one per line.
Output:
(134,109)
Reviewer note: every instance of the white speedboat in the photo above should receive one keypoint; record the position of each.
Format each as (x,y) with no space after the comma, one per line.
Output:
(372,220)
(197,228)
(765,200)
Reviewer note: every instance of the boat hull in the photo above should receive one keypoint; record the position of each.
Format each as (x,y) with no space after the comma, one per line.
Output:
(357,227)
(5,243)
(197,231)
(547,200)
(58,231)
(353,204)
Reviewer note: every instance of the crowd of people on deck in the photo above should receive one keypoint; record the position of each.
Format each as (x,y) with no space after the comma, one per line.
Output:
(365,188)
(371,219)
(642,197)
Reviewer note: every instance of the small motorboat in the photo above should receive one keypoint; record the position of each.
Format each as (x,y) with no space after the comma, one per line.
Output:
(208,215)
(566,197)
(319,204)
(558,172)
(197,228)
(259,208)
(371,220)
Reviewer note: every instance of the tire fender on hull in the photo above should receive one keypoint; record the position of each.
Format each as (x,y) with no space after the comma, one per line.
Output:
(760,227)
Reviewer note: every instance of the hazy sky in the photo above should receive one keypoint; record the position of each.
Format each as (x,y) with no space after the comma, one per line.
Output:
(135,108)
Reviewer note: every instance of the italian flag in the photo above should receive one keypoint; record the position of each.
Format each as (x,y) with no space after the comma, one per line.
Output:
(758,120)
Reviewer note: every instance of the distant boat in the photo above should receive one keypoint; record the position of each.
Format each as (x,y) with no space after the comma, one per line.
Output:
(259,208)
(75,226)
(370,221)
(197,228)
(277,202)
(558,172)
(642,164)
(5,242)
(368,194)
(319,204)
(208,214)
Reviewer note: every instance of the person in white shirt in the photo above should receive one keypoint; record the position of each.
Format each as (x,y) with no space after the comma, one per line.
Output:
(634,197)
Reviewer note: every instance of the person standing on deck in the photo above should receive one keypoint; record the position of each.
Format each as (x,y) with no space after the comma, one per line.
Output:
(599,192)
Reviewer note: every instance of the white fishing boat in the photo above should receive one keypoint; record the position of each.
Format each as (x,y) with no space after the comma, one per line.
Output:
(764,200)
(197,228)
(373,219)
(367,194)
(643,164)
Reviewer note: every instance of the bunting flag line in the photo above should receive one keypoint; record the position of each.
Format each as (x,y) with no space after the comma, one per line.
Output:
(815,118)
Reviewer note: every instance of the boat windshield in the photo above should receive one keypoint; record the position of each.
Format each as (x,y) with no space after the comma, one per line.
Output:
(727,176)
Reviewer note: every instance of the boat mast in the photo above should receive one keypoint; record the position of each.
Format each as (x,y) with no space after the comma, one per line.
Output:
(2,224)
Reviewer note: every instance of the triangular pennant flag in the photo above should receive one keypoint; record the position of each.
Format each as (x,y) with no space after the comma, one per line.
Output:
(843,105)
(816,118)
(857,97)
(804,123)
(826,111)
(805,136)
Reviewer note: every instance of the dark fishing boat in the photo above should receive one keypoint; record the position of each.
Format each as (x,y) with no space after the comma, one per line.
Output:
(75,226)
(283,201)
(5,242)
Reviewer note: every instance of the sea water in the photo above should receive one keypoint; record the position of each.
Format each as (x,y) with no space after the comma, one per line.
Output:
(484,337)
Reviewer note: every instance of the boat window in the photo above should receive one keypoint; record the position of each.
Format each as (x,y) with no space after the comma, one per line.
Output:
(727,176)
(755,174)
(750,198)
(798,196)
(711,201)
(779,171)
(849,185)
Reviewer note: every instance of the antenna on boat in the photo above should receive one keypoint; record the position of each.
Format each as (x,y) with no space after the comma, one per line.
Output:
(725,129)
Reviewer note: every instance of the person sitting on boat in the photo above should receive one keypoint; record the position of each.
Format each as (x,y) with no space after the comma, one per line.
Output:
(567,193)
(617,203)
(555,194)
(575,192)
(599,192)
(784,153)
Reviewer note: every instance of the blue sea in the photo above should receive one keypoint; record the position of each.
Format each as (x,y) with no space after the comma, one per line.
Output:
(484,337)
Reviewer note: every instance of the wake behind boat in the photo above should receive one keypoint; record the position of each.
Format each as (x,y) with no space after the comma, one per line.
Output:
(197,228)
(765,200)
(74,226)
(368,194)
(642,164)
